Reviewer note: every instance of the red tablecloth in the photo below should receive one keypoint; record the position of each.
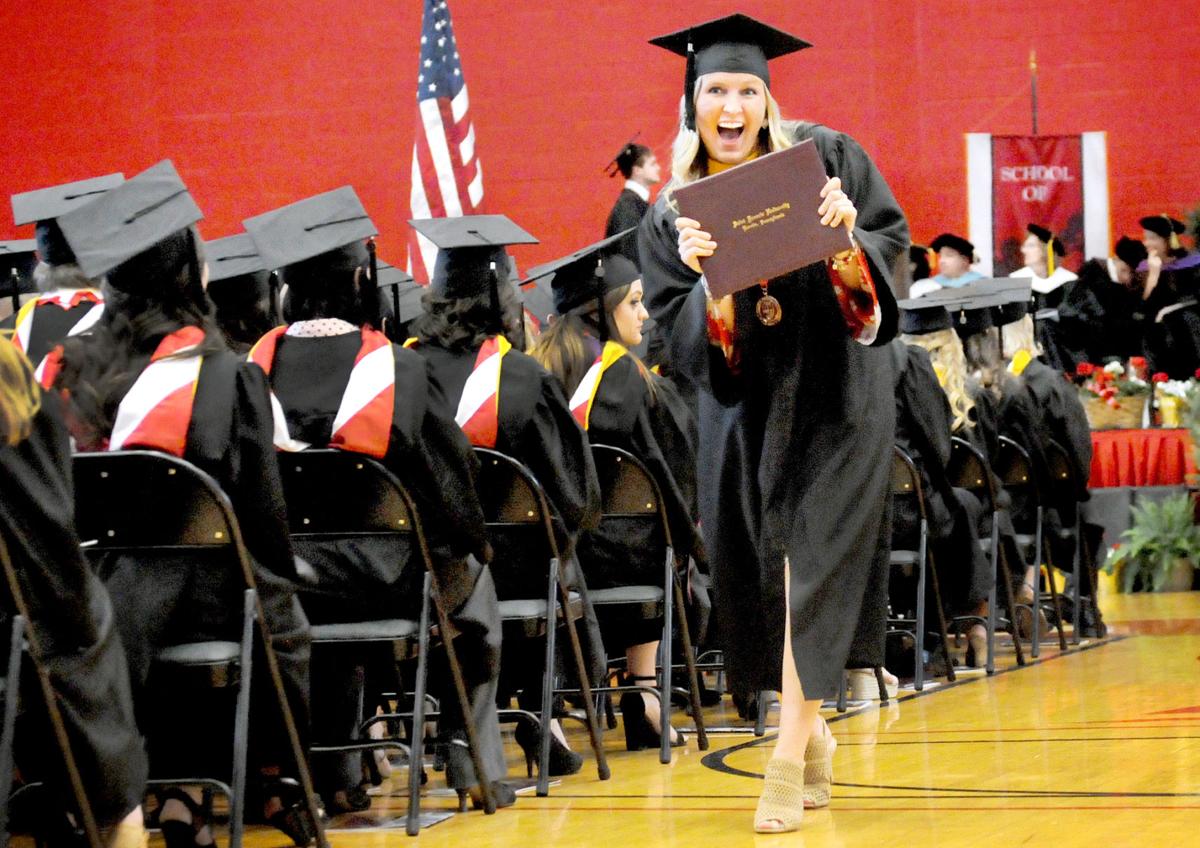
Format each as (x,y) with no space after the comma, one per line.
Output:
(1141,458)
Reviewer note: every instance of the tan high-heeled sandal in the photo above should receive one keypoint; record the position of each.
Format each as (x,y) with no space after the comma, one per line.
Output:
(781,805)
(818,768)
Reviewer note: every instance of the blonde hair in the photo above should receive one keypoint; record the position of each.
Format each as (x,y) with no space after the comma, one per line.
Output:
(946,353)
(20,396)
(688,160)
(1019,335)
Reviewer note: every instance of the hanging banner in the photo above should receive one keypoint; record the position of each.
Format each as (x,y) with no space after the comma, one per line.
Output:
(1057,182)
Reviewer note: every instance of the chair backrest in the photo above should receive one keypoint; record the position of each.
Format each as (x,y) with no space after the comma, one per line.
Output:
(145,499)
(627,488)
(333,492)
(1064,487)
(1014,468)
(520,527)
(633,531)
(906,480)
(969,470)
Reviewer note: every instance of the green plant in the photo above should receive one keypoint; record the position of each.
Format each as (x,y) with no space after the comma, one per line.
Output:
(1162,533)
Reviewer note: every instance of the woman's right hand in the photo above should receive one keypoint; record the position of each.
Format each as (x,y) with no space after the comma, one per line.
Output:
(694,243)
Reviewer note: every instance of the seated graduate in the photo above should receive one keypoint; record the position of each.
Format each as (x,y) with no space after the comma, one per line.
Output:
(620,402)
(471,334)
(316,365)
(68,303)
(242,290)
(154,374)
(1042,252)
(72,624)
(955,255)
(935,400)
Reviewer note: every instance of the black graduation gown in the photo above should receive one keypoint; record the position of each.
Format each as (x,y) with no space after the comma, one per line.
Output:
(1173,345)
(923,431)
(50,325)
(181,597)
(536,428)
(795,450)
(75,626)
(627,212)
(366,577)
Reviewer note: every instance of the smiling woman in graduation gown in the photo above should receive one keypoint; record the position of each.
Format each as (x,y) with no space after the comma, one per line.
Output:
(796,414)
(156,323)
(318,245)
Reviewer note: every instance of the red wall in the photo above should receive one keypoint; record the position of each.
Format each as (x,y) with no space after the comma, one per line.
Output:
(261,103)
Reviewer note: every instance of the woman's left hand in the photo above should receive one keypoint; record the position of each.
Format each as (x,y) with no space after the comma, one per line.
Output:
(836,208)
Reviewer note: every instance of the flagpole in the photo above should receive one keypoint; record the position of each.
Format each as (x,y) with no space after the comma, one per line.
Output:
(1033,88)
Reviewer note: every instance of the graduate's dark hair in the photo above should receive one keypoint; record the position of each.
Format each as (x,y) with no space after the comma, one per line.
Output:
(146,298)
(569,345)
(47,278)
(332,285)
(631,157)
(464,323)
(20,397)
(243,307)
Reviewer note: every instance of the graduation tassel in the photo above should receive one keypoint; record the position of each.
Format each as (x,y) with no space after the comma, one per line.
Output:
(689,89)
(273,297)
(1050,256)
(14,290)
(1174,238)
(495,296)
(932,256)
(373,272)
(601,318)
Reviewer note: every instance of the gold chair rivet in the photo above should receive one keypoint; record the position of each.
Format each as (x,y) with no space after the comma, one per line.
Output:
(220,534)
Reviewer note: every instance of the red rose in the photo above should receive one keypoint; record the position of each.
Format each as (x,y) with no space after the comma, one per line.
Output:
(1137,361)
(1160,377)
(1197,374)
(1086,369)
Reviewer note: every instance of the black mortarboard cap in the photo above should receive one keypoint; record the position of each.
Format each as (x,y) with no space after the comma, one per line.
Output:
(1010,313)
(537,299)
(468,246)
(45,204)
(310,227)
(625,159)
(733,44)
(1162,225)
(17,261)
(234,256)
(1046,237)
(918,318)
(129,219)
(1130,251)
(587,274)
(971,322)
(956,243)
(407,293)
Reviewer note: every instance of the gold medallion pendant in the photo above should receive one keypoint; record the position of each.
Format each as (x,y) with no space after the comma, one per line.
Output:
(767,309)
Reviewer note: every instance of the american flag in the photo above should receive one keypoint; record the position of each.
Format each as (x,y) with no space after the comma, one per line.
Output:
(447,180)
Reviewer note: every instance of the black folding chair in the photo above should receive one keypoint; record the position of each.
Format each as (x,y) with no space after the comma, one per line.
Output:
(520,530)
(969,470)
(143,502)
(1065,487)
(24,640)
(629,493)
(906,483)
(1014,468)
(333,495)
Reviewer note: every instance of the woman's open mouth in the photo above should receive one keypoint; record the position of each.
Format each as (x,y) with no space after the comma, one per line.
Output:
(730,133)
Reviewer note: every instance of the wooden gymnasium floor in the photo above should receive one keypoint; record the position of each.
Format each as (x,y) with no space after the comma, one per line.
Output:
(1098,746)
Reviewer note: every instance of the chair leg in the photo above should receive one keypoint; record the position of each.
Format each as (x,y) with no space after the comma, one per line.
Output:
(940,609)
(12,688)
(993,594)
(543,780)
(460,687)
(585,685)
(610,715)
(665,649)
(763,699)
(689,661)
(289,722)
(416,741)
(1087,559)
(1076,571)
(1006,578)
(919,636)
(1039,546)
(883,695)
(241,725)
(841,695)
(1056,601)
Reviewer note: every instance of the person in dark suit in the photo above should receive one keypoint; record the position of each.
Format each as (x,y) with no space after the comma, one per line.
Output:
(639,166)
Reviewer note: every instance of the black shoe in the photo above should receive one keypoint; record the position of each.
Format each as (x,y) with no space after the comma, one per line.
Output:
(293,819)
(639,732)
(184,834)
(461,777)
(563,760)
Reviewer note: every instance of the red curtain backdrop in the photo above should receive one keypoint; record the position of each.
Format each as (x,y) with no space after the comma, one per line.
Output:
(1141,458)
(260,103)
(1038,180)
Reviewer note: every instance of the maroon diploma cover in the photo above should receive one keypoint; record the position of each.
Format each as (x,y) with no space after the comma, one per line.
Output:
(763,217)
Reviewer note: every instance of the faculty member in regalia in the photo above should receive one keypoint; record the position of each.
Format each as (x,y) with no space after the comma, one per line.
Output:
(796,409)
